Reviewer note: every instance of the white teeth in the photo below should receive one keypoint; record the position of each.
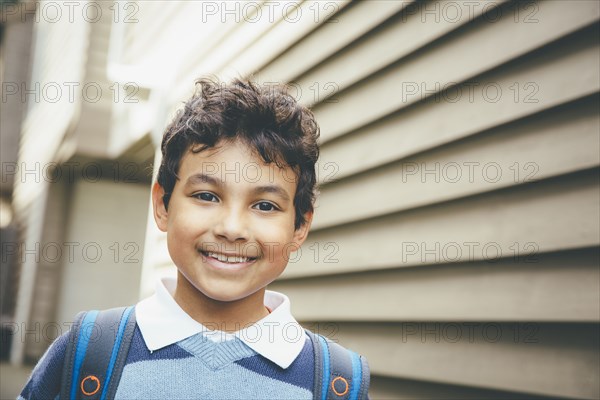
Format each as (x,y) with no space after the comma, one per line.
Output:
(228,259)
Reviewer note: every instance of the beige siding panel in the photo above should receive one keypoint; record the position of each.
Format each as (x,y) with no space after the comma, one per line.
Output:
(282,35)
(527,287)
(408,32)
(482,47)
(543,82)
(557,214)
(247,32)
(489,355)
(545,145)
(356,20)
(405,389)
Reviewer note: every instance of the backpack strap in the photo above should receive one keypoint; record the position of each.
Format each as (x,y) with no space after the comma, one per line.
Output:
(96,353)
(339,373)
(69,361)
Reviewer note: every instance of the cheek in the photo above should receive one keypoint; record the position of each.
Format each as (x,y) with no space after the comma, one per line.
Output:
(181,232)
(279,233)
(184,219)
(280,244)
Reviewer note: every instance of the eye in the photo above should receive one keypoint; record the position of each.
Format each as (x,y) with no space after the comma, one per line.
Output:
(206,196)
(265,206)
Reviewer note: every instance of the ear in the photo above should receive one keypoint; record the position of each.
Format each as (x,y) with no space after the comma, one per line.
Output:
(302,232)
(158,206)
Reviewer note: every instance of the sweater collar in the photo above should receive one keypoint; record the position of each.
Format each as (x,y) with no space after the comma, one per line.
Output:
(277,337)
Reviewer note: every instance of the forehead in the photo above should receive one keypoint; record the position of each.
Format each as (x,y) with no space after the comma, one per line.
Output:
(234,162)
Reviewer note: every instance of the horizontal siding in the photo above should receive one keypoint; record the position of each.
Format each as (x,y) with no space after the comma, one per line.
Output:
(556,142)
(405,389)
(437,121)
(494,356)
(482,46)
(382,255)
(521,287)
(280,36)
(372,52)
(555,214)
(350,25)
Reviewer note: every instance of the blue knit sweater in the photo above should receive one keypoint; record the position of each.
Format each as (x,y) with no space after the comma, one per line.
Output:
(195,367)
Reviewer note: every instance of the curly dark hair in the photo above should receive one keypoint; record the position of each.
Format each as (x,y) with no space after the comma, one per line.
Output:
(267,119)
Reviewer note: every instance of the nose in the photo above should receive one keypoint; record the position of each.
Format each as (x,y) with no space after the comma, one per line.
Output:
(231,225)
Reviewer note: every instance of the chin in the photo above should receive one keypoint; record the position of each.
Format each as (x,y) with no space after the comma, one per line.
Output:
(224,296)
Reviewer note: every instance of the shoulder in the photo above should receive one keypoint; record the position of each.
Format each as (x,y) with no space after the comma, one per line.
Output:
(348,370)
(44,382)
(324,343)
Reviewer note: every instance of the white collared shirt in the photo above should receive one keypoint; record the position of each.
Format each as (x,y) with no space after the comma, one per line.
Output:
(277,337)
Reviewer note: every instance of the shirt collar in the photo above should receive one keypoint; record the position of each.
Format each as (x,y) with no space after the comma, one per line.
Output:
(277,337)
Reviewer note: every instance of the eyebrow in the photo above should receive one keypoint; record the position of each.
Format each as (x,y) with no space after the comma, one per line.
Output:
(277,190)
(203,178)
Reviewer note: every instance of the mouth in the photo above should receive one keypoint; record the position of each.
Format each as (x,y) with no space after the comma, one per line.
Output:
(228,258)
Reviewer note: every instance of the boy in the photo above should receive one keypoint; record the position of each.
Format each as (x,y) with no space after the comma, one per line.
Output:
(234,193)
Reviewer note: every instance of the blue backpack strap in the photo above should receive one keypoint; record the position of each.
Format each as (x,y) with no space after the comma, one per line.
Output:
(319,386)
(69,361)
(339,373)
(126,329)
(97,354)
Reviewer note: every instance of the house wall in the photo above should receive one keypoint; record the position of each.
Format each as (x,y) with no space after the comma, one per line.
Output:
(455,240)
(72,186)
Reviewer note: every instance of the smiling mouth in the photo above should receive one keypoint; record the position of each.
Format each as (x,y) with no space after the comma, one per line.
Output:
(229,259)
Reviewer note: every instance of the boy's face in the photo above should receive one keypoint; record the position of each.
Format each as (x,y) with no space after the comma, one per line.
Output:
(230,221)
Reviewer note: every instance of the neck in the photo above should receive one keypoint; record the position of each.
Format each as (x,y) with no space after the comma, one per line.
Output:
(228,316)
